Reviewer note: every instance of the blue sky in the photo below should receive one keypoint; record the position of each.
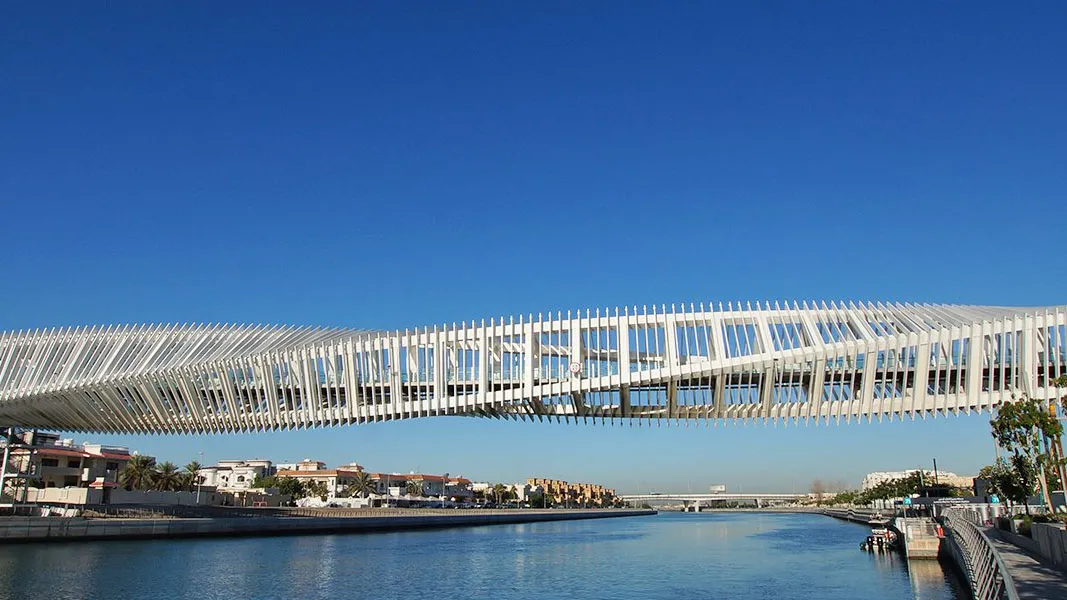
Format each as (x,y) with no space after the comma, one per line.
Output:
(383,167)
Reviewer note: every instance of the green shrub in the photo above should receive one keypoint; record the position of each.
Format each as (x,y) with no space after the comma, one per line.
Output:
(1025,522)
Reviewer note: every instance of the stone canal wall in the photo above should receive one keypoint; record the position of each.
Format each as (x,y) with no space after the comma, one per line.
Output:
(53,529)
(856,515)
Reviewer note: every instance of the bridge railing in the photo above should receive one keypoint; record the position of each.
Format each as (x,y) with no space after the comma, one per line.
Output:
(986,573)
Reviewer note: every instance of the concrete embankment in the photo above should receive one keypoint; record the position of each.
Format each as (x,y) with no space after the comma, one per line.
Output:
(55,529)
(856,515)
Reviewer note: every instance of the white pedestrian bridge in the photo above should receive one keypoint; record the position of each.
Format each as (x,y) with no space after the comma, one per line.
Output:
(797,362)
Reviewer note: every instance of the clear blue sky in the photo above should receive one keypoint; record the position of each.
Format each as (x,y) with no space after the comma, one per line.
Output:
(381,167)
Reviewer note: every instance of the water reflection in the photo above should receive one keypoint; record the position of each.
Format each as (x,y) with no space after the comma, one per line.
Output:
(742,557)
(929,578)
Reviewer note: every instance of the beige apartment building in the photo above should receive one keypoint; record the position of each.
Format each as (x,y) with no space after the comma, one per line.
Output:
(336,480)
(574,494)
(51,462)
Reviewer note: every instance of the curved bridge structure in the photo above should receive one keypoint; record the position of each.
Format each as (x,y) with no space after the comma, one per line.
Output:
(769,362)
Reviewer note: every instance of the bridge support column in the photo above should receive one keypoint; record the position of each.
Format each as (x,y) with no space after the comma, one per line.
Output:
(696,506)
(758,505)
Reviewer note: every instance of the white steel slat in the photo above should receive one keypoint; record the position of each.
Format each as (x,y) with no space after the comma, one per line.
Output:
(221,377)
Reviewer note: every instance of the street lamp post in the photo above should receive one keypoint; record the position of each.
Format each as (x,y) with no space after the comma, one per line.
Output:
(199,480)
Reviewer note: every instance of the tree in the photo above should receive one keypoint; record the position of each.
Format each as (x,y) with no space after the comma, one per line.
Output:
(899,487)
(270,481)
(289,486)
(139,473)
(191,476)
(315,488)
(1022,428)
(361,485)
(818,490)
(168,478)
(1006,481)
(498,492)
(846,497)
(1057,443)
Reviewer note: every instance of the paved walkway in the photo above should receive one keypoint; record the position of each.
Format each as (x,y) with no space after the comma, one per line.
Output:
(1034,580)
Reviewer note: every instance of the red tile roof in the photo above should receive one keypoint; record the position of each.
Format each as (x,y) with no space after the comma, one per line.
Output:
(54,452)
(390,476)
(57,451)
(418,477)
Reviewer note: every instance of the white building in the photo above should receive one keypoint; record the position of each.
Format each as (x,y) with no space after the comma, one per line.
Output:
(235,474)
(525,492)
(943,477)
(305,465)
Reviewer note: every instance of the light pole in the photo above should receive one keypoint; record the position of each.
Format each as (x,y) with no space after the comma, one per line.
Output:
(199,480)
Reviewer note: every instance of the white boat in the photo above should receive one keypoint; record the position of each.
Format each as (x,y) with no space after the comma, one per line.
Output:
(881,538)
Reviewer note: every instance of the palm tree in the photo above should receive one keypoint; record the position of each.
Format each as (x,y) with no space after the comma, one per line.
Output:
(139,473)
(361,484)
(168,478)
(498,491)
(191,477)
(414,488)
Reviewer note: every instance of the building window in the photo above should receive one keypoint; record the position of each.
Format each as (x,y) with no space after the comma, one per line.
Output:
(49,462)
(240,479)
(73,463)
(112,466)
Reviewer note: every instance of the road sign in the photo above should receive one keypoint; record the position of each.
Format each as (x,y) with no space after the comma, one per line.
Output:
(994,499)
(907,502)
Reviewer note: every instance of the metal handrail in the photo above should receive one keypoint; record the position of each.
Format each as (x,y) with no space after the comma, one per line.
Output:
(986,572)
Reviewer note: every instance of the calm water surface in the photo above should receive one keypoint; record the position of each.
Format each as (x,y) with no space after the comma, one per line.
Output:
(677,556)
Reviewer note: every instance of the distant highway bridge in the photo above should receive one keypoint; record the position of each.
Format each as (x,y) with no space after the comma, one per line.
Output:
(799,362)
(696,501)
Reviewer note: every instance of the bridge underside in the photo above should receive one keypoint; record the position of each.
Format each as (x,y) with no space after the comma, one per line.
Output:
(836,363)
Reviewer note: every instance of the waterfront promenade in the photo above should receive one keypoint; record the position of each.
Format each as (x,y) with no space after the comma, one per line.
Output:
(58,529)
(1033,579)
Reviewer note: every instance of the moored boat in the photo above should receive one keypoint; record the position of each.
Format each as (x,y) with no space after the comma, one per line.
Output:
(881,537)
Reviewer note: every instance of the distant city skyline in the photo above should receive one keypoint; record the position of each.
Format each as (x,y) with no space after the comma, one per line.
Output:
(403,166)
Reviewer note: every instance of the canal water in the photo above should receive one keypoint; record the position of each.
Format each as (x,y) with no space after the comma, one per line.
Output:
(744,556)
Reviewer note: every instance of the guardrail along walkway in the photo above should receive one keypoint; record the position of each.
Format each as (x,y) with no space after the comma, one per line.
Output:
(1033,579)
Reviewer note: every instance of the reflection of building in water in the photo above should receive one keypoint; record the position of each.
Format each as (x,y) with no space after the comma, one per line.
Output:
(930,580)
